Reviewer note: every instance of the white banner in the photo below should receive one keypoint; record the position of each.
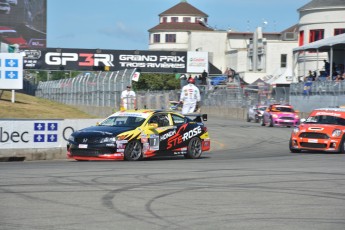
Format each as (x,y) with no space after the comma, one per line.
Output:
(11,71)
(197,62)
(26,134)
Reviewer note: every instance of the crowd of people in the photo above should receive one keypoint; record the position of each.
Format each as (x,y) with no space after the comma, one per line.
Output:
(338,73)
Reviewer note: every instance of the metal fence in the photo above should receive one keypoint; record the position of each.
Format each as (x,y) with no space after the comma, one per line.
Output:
(89,88)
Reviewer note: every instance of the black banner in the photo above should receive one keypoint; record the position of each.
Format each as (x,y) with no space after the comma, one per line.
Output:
(105,60)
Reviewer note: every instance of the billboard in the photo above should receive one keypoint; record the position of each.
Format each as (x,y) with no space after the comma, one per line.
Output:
(23,22)
(11,71)
(100,60)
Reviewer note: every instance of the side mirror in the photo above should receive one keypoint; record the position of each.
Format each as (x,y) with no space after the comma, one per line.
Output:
(153,125)
(297,111)
(97,123)
(303,120)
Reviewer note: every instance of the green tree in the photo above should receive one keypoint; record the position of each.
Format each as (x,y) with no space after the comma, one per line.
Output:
(154,81)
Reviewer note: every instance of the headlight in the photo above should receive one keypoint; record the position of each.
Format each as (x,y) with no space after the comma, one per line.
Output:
(336,133)
(108,139)
(275,116)
(295,130)
(120,137)
(71,138)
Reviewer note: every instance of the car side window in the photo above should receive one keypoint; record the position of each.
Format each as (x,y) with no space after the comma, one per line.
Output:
(161,119)
(177,119)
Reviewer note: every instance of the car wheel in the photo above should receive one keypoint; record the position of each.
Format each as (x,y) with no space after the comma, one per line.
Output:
(194,150)
(292,149)
(271,122)
(248,119)
(342,145)
(133,151)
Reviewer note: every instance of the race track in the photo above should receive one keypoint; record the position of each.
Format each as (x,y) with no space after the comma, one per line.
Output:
(249,180)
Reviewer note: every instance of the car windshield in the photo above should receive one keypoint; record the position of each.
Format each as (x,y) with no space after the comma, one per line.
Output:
(283,109)
(123,121)
(262,108)
(323,119)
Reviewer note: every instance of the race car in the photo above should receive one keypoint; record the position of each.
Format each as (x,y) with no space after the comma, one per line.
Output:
(322,131)
(255,112)
(137,134)
(280,115)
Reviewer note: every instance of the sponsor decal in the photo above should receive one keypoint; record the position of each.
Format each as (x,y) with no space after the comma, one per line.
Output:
(328,114)
(183,136)
(166,135)
(88,59)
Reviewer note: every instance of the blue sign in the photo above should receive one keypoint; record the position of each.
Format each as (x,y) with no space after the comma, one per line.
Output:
(11,75)
(52,126)
(52,138)
(307,87)
(39,126)
(12,63)
(38,138)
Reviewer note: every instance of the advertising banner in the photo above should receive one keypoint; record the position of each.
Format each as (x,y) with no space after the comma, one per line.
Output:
(197,62)
(101,60)
(11,71)
(35,134)
(24,22)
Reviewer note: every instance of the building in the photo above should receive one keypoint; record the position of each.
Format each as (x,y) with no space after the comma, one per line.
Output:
(319,19)
(253,55)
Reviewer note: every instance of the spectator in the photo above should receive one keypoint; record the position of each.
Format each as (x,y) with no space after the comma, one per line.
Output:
(190,97)
(128,99)
(327,66)
(204,76)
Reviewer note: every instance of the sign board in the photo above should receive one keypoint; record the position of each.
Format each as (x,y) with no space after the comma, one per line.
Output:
(11,71)
(197,62)
(36,134)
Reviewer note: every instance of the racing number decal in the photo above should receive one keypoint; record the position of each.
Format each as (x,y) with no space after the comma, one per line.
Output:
(154,142)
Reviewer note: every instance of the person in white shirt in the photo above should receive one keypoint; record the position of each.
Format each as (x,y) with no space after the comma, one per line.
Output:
(128,99)
(190,96)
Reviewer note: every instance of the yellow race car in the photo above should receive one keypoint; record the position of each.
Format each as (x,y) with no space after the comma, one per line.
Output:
(136,134)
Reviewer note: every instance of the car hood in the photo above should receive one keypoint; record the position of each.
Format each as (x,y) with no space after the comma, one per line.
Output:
(284,114)
(100,131)
(324,128)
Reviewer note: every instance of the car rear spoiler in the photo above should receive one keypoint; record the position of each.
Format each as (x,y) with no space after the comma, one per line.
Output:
(197,117)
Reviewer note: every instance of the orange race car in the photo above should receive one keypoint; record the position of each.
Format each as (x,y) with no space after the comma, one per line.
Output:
(323,130)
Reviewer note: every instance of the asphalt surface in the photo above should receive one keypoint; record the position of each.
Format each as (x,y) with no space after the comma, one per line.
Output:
(249,180)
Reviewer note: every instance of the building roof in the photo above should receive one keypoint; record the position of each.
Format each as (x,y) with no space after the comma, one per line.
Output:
(322,4)
(180,26)
(184,8)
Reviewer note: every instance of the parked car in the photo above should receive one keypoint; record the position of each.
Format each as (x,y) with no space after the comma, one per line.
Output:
(12,2)
(137,134)
(10,36)
(280,115)
(323,130)
(5,7)
(255,112)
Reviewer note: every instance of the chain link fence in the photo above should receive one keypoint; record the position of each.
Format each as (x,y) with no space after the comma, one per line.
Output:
(89,88)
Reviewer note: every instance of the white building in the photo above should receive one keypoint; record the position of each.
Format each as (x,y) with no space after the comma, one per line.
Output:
(253,55)
(320,19)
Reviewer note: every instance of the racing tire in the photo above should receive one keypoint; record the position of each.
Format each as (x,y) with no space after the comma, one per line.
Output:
(271,122)
(248,119)
(262,122)
(292,149)
(342,145)
(194,149)
(133,151)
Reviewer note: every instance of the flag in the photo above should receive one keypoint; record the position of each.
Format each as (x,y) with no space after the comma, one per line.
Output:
(136,76)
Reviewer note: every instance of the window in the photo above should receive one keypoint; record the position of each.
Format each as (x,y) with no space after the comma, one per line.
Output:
(301,38)
(174,19)
(186,19)
(170,38)
(315,35)
(339,31)
(156,38)
(177,119)
(283,60)
(164,20)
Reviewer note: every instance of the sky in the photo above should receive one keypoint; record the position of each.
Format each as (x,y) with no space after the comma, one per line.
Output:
(124,25)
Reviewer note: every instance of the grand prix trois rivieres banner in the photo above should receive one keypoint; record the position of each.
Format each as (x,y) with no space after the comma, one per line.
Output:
(100,60)
(114,60)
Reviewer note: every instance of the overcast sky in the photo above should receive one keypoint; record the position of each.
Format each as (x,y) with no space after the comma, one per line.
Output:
(124,25)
